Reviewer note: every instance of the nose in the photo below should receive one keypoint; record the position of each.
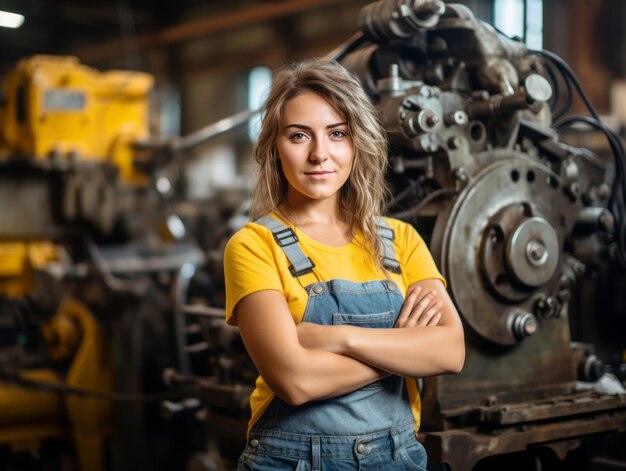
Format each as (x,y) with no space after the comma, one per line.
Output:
(319,153)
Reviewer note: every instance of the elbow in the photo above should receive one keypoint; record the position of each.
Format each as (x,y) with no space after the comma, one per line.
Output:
(456,357)
(295,400)
(291,381)
(293,397)
(293,392)
(456,365)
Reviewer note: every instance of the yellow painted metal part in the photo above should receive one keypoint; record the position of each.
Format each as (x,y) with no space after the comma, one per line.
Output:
(62,334)
(90,369)
(58,105)
(17,262)
(28,417)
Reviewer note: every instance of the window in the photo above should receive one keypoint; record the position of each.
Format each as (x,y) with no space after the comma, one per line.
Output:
(259,82)
(170,111)
(522,18)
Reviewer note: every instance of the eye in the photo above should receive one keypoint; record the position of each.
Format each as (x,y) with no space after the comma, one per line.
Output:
(297,136)
(338,134)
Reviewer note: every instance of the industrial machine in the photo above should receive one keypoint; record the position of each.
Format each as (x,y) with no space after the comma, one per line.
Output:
(90,281)
(515,218)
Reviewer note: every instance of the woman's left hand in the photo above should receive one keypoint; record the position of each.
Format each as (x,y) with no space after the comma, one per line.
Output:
(319,337)
(420,309)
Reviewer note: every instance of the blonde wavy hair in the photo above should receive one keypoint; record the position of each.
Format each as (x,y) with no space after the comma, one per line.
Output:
(363,196)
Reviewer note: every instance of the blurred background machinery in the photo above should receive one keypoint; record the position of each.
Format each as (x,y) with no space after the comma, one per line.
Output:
(113,350)
(89,272)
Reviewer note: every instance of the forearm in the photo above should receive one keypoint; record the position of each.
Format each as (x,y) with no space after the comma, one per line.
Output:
(415,347)
(296,374)
(413,351)
(326,375)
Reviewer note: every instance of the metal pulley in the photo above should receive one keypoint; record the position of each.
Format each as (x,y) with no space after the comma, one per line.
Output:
(532,253)
(506,226)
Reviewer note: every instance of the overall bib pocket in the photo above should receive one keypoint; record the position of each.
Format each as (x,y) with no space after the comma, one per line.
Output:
(376,320)
(380,320)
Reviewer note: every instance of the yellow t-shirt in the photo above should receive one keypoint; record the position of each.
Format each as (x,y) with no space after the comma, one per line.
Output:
(253,261)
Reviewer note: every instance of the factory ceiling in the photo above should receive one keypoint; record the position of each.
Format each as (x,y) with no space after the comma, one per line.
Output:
(99,30)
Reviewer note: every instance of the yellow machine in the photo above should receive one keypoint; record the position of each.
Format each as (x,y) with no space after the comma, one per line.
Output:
(57,106)
(66,169)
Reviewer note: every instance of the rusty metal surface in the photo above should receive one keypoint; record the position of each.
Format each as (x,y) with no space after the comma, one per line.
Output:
(462,449)
(550,409)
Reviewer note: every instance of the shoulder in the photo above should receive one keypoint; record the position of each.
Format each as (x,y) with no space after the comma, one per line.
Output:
(251,233)
(252,240)
(403,231)
(413,253)
(396,223)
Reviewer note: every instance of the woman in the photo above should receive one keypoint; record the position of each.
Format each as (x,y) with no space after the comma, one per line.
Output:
(317,282)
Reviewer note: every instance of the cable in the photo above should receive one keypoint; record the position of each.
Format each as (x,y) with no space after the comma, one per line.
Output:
(569,98)
(568,103)
(564,70)
(54,387)
(554,99)
(617,200)
(409,213)
(568,73)
(347,47)
(412,186)
(565,80)
(616,147)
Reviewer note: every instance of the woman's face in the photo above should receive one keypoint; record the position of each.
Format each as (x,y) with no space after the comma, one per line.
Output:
(314,148)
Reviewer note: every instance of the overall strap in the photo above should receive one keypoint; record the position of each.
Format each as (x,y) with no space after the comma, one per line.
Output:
(287,240)
(388,253)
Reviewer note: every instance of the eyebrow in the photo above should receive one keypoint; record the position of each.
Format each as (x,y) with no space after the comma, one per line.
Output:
(304,126)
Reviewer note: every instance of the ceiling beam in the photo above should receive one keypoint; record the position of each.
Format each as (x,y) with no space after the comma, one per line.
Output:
(204,27)
(272,57)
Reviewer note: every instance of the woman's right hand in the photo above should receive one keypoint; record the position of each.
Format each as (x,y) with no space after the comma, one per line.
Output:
(419,309)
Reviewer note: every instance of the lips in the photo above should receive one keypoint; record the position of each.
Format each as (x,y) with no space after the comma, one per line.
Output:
(319,172)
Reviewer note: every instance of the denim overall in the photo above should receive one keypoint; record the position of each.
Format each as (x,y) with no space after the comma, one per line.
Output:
(371,428)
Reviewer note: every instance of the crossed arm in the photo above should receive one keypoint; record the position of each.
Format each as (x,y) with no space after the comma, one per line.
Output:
(309,361)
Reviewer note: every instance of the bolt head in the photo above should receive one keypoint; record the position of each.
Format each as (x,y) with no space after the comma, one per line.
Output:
(530,326)
(454,143)
(607,221)
(537,252)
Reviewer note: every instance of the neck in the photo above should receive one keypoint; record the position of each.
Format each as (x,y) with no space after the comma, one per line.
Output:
(320,220)
(301,210)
